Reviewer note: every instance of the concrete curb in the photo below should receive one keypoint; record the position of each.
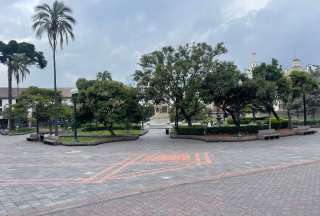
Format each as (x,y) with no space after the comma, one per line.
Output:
(229,139)
(112,139)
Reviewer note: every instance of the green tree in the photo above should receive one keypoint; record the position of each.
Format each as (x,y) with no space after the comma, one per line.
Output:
(287,97)
(9,54)
(303,85)
(173,75)
(40,101)
(109,102)
(105,75)
(221,86)
(267,78)
(20,69)
(57,22)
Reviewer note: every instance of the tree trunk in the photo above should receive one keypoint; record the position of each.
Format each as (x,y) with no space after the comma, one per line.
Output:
(275,114)
(304,109)
(111,129)
(10,119)
(50,127)
(270,125)
(234,118)
(189,120)
(56,132)
(290,126)
(254,115)
(177,117)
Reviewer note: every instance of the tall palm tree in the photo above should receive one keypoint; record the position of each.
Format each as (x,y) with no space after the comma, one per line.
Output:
(57,22)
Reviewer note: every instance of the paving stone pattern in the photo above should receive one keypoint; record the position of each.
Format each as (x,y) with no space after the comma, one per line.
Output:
(159,176)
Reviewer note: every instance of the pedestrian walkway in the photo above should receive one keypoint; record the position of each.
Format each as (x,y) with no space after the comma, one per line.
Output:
(166,176)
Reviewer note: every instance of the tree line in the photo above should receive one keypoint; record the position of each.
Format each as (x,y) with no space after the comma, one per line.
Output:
(192,76)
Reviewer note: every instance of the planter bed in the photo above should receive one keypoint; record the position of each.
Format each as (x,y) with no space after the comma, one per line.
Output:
(7,133)
(86,140)
(231,138)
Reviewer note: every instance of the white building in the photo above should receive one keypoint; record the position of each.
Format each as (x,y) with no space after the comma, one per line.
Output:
(4,100)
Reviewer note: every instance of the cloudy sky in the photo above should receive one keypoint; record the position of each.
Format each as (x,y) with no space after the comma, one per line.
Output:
(113,34)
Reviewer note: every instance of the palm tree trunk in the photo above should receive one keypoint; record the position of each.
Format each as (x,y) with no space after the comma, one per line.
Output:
(56,132)
(10,120)
(18,89)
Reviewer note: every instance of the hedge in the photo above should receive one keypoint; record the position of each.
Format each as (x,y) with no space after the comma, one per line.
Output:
(101,128)
(248,120)
(247,129)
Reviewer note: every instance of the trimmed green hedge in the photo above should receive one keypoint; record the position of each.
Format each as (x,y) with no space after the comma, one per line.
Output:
(246,121)
(279,124)
(245,129)
(101,128)
(248,129)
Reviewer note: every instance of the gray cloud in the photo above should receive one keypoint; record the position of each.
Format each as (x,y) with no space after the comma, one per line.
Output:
(113,34)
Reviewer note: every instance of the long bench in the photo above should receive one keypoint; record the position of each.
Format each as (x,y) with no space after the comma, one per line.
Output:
(268,134)
(305,130)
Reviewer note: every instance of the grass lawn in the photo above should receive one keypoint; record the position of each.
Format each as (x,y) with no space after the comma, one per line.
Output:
(69,140)
(117,132)
(23,130)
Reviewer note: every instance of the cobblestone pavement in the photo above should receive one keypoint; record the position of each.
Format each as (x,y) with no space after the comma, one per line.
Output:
(159,176)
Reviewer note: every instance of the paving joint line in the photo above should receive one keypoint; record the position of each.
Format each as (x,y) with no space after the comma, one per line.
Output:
(213,178)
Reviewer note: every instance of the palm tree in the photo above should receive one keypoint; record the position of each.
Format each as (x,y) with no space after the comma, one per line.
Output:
(9,53)
(57,22)
(20,70)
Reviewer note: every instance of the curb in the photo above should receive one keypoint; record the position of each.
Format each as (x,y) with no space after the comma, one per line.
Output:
(232,139)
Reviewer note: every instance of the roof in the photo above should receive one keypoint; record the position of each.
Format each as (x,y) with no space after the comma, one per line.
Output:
(66,92)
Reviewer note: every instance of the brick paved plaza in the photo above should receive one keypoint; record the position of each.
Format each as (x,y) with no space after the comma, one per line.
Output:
(159,176)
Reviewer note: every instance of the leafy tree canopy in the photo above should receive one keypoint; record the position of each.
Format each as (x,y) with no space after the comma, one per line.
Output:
(174,75)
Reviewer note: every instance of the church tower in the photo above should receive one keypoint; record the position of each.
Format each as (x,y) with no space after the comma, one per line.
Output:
(252,65)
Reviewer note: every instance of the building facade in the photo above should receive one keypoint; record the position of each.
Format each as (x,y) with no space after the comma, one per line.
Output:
(4,101)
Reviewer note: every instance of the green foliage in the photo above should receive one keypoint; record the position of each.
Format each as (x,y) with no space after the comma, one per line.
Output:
(227,88)
(244,129)
(248,129)
(103,76)
(109,102)
(305,88)
(56,21)
(279,124)
(40,101)
(18,57)
(267,78)
(173,75)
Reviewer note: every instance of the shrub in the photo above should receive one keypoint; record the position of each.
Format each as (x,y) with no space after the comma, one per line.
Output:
(278,124)
(118,127)
(248,129)
(245,121)
(198,131)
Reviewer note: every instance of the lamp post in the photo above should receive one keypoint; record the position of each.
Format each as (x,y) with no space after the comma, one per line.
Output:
(36,104)
(239,108)
(74,93)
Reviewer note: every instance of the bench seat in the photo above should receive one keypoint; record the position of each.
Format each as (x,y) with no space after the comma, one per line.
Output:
(268,134)
(305,130)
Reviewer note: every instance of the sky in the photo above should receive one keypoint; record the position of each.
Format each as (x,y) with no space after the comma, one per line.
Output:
(113,34)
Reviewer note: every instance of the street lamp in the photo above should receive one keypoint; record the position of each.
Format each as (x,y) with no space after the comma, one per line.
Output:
(74,93)
(238,108)
(36,104)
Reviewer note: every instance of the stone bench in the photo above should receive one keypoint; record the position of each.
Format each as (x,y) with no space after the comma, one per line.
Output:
(268,134)
(305,130)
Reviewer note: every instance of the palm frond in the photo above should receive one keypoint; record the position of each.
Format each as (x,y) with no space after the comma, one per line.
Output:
(56,21)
